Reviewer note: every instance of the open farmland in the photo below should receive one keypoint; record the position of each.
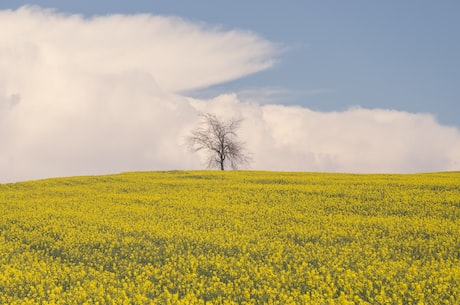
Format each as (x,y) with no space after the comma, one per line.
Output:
(209,237)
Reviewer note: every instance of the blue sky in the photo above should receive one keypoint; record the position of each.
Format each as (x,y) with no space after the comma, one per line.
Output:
(96,87)
(399,55)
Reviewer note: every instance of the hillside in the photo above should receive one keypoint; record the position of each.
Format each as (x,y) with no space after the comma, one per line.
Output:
(209,237)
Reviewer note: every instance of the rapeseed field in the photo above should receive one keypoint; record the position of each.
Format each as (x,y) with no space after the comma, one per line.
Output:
(211,237)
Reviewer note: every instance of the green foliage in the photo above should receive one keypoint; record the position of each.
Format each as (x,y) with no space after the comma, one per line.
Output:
(231,238)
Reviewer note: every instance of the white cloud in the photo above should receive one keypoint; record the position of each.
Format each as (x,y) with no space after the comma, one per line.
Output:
(179,55)
(270,95)
(294,138)
(84,96)
(92,96)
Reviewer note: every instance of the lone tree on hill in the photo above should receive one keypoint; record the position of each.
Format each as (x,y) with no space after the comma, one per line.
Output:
(219,139)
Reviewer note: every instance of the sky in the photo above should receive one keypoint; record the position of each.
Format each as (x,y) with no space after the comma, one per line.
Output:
(97,87)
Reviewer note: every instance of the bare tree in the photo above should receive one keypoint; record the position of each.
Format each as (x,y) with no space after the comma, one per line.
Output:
(219,139)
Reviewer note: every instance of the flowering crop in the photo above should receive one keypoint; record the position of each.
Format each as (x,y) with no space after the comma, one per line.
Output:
(206,237)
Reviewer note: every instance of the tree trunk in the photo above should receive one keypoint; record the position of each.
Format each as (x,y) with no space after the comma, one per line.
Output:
(222,158)
(221,165)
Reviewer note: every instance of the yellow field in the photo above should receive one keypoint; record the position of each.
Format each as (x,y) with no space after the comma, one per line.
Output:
(214,237)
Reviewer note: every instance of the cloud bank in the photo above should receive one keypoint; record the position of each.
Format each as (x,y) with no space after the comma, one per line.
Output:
(85,96)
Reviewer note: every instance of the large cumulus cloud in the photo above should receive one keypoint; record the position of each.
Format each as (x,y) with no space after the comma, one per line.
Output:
(356,140)
(106,94)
